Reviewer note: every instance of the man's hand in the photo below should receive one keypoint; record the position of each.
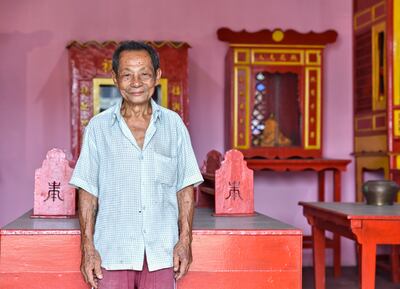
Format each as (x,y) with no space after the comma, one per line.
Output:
(90,266)
(91,261)
(182,258)
(183,249)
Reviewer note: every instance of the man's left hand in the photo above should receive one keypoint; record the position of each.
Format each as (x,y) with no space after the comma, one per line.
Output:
(182,258)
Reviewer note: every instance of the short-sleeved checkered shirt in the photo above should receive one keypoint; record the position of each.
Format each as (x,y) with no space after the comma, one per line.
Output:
(136,188)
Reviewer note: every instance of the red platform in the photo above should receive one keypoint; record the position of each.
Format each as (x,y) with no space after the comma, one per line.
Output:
(228,252)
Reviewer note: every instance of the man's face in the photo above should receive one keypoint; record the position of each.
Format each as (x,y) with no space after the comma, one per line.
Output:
(136,79)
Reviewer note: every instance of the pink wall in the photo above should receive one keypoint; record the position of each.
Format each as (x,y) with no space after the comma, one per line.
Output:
(34,100)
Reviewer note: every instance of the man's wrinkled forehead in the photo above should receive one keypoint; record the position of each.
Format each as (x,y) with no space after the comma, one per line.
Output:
(141,57)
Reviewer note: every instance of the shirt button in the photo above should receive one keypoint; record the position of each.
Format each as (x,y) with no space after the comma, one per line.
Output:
(144,231)
(141,157)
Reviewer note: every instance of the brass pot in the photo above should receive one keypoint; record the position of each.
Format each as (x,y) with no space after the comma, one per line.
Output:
(381,192)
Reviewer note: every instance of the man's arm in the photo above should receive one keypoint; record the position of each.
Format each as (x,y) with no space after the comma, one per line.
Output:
(91,261)
(183,250)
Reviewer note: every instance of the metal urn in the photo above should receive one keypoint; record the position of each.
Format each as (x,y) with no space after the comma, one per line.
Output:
(380,192)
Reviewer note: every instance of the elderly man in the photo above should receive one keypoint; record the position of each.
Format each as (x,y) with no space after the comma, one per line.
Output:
(135,175)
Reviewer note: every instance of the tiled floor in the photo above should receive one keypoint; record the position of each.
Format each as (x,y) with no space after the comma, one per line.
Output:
(348,280)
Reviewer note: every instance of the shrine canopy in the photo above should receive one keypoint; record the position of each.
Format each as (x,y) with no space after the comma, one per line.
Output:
(276,36)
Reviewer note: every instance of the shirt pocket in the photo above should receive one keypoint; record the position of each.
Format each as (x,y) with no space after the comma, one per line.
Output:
(165,169)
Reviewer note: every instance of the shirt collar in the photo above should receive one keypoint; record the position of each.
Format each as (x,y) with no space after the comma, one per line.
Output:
(156,111)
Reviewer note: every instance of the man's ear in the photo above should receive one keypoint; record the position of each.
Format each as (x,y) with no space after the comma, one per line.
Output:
(158,76)
(114,78)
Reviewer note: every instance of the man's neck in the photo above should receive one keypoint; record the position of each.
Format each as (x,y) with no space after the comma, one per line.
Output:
(130,110)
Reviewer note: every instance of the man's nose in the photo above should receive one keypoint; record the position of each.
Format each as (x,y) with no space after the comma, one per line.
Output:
(136,81)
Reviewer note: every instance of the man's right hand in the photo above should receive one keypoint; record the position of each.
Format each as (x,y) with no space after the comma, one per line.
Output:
(91,266)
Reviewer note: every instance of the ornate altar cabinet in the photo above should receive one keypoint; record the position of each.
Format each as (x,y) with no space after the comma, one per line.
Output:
(275,92)
(274,97)
(92,89)
(376,89)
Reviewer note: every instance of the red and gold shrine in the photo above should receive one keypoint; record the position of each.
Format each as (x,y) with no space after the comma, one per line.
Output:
(274,92)
(92,89)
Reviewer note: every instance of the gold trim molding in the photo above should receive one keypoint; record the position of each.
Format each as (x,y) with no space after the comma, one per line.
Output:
(372,11)
(307,110)
(157,44)
(373,119)
(236,53)
(278,35)
(396,52)
(378,101)
(236,133)
(97,82)
(298,52)
(396,122)
(317,53)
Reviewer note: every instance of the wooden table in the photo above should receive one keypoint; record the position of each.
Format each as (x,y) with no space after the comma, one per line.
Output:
(320,166)
(229,252)
(367,225)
